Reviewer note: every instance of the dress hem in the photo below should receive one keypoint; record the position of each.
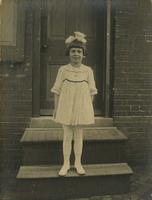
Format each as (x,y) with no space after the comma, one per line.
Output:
(69,124)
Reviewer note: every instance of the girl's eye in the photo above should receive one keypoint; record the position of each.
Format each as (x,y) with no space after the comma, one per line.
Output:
(74,51)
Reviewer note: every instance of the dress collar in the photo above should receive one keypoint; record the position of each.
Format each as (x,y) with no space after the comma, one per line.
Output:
(76,69)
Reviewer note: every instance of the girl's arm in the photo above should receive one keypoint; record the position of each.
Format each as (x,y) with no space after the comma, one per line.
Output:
(91,82)
(56,100)
(92,97)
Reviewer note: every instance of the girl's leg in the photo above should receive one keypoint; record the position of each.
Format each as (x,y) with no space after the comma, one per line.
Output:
(67,143)
(78,146)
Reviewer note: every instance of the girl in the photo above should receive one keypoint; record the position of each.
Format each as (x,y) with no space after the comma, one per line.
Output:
(74,90)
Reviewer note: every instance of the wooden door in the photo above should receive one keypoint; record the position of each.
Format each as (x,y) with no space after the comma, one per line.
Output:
(59,20)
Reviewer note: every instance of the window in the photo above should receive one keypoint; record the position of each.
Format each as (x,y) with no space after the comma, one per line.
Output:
(12,30)
(8,21)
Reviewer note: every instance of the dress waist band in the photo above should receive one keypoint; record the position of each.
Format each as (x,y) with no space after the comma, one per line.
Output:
(75,81)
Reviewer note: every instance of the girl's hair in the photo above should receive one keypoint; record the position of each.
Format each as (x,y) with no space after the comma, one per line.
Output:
(76,44)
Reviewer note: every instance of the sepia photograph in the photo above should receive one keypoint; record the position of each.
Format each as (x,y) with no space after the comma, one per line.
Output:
(76,99)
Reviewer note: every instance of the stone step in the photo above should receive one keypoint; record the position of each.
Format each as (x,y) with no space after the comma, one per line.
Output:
(43,182)
(56,134)
(47,122)
(101,145)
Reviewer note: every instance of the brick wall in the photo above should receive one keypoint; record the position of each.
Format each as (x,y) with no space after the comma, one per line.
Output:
(16,101)
(132,85)
(132,76)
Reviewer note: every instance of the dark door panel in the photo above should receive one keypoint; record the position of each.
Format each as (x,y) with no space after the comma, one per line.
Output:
(59,20)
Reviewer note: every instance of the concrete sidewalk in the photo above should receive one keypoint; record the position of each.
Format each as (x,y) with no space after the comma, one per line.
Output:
(141,186)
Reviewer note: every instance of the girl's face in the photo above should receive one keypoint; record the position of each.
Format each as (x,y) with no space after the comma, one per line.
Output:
(76,55)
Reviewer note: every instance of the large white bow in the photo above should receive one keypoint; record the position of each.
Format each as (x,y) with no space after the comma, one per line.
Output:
(77,36)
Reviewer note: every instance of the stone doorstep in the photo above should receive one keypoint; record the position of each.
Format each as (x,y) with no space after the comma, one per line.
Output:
(49,171)
(56,134)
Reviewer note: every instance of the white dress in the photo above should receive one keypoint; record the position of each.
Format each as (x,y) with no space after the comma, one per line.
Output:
(75,85)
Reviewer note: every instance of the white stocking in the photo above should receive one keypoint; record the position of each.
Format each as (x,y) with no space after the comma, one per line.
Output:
(67,143)
(78,144)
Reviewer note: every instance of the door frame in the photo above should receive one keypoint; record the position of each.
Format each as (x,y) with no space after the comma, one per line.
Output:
(109,52)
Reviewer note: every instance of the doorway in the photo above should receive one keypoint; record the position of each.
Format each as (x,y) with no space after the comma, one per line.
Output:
(59,19)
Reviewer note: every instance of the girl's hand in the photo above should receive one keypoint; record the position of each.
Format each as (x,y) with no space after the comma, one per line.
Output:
(92,97)
(54,113)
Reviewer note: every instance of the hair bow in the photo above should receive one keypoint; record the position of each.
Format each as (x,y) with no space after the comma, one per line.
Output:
(78,36)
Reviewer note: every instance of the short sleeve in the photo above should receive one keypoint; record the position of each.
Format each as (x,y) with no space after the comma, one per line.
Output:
(91,82)
(58,83)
